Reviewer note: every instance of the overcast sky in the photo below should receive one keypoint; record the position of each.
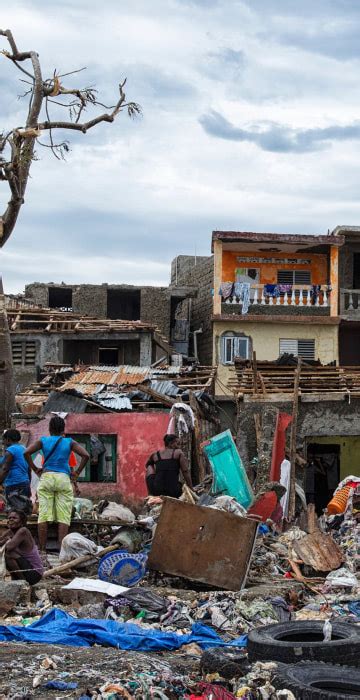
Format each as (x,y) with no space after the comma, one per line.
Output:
(250,122)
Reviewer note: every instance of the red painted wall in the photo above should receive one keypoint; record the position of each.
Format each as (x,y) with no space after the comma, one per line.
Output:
(138,435)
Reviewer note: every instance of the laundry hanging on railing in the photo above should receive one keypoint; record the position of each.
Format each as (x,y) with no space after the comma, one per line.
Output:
(226,290)
(271,290)
(242,292)
(314,292)
(285,288)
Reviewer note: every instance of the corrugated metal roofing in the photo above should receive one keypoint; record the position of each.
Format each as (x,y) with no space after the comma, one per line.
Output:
(165,386)
(118,402)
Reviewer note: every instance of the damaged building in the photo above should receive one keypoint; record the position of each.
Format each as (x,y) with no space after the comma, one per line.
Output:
(167,308)
(39,336)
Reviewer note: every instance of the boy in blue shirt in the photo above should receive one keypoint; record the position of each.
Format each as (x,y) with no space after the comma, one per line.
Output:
(15,473)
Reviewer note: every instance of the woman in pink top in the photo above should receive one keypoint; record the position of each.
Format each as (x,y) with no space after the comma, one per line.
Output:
(22,556)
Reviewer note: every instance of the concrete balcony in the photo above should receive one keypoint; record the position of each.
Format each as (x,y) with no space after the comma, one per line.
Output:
(299,300)
(350,303)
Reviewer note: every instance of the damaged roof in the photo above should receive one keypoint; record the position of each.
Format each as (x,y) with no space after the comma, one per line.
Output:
(51,321)
(118,388)
(287,241)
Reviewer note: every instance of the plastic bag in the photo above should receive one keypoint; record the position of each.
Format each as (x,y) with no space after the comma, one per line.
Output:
(144,599)
(83,506)
(76,545)
(116,511)
(341,578)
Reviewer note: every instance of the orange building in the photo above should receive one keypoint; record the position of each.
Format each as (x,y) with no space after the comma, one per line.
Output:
(274,293)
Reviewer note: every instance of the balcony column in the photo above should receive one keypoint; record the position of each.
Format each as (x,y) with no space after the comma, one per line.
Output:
(217,276)
(334,280)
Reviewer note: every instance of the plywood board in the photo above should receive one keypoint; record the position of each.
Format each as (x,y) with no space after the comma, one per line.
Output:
(203,544)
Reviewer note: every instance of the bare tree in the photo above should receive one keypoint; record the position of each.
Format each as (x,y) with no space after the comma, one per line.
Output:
(17,146)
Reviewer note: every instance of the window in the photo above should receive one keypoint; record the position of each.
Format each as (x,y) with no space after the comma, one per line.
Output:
(124,304)
(102,464)
(300,348)
(294,277)
(60,298)
(23,353)
(109,356)
(233,346)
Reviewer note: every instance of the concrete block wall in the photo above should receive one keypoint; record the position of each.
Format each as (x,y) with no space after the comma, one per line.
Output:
(155,308)
(91,300)
(198,272)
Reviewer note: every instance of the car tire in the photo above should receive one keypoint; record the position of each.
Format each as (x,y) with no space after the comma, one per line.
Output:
(318,681)
(228,662)
(292,642)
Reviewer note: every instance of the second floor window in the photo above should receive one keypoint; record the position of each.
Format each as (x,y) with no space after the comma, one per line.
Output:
(294,277)
(233,346)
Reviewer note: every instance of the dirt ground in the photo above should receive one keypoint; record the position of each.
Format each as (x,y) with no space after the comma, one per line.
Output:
(91,668)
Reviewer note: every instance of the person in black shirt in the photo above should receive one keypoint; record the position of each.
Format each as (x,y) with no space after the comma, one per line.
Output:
(163,470)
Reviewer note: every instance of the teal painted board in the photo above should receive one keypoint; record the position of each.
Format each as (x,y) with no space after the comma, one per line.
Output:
(229,475)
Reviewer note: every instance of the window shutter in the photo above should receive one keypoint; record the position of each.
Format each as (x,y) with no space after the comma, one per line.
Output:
(288,346)
(16,346)
(30,352)
(306,349)
(294,276)
(285,277)
(301,348)
(302,276)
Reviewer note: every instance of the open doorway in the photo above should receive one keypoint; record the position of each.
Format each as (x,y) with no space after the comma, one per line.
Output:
(322,473)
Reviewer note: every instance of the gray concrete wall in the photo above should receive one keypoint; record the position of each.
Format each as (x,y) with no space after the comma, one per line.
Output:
(155,308)
(198,273)
(91,300)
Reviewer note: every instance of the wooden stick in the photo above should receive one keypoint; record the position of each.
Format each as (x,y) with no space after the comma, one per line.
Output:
(293,441)
(197,435)
(254,364)
(79,560)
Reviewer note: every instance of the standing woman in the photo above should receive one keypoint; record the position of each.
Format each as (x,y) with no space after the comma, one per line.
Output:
(55,491)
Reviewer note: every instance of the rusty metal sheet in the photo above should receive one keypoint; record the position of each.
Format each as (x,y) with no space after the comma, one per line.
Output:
(203,544)
(319,551)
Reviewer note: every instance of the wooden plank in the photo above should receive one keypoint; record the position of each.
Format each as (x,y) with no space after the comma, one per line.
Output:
(293,442)
(197,434)
(319,551)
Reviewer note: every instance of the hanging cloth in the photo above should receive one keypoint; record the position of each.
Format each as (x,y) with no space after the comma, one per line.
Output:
(314,292)
(285,288)
(271,290)
(226,290)
(242,292)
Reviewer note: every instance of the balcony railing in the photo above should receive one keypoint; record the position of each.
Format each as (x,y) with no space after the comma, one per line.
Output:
(350,302)
(300,295)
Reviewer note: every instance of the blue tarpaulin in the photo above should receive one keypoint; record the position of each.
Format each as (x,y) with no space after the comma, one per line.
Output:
(57,627)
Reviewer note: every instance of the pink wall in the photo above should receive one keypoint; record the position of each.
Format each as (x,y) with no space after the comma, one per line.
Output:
(138,435)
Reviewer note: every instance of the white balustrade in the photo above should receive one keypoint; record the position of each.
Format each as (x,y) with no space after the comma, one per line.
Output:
(300,295)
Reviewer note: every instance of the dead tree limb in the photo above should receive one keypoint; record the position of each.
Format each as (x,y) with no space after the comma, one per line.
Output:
(17,147)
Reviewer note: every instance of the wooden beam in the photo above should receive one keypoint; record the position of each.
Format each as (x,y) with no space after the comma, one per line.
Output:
(293,442)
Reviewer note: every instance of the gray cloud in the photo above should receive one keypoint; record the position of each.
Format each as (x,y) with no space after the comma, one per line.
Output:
(277,138)
(327,27)
(225,64)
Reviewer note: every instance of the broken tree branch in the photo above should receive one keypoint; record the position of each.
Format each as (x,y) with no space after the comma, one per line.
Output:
(20,142)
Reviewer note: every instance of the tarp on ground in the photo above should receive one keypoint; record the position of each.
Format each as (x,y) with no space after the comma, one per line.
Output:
(57,627)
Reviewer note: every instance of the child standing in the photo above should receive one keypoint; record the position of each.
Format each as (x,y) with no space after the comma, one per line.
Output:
(15,473)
